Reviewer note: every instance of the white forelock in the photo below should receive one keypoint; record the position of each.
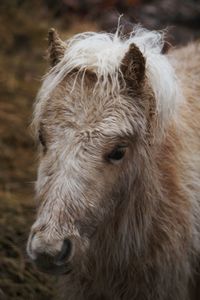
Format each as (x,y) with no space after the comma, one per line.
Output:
(102,53)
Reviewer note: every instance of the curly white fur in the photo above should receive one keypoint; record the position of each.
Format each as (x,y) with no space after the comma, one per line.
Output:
(102,53)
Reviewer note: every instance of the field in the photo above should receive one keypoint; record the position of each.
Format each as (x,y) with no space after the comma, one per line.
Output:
(23,32)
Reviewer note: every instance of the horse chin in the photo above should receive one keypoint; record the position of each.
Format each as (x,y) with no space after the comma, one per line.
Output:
(55,270)
(52,268)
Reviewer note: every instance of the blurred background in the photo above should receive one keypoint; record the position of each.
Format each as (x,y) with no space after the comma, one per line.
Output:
(23,30)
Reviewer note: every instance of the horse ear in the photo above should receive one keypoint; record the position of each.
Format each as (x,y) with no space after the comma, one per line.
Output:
(133,66)
(56,48)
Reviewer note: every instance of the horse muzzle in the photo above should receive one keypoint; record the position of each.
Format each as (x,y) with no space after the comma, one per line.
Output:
(49,257)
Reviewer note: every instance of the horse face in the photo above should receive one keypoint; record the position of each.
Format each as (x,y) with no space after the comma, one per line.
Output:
(86,144)
(89,127)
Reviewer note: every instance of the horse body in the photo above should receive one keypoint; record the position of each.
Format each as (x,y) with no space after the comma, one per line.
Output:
(119,176)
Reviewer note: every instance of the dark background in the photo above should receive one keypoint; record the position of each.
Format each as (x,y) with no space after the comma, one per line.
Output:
(23,30)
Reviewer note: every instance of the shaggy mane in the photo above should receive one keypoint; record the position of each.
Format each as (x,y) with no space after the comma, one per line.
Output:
(102,54)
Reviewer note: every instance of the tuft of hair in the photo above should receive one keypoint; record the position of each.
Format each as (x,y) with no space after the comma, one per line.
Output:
(102,54)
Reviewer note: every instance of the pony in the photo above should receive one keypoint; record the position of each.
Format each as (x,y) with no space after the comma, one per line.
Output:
(118,184)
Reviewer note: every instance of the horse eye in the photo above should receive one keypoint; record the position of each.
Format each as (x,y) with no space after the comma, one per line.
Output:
(117,154)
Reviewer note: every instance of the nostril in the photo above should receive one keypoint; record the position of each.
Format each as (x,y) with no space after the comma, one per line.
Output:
(64,252)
